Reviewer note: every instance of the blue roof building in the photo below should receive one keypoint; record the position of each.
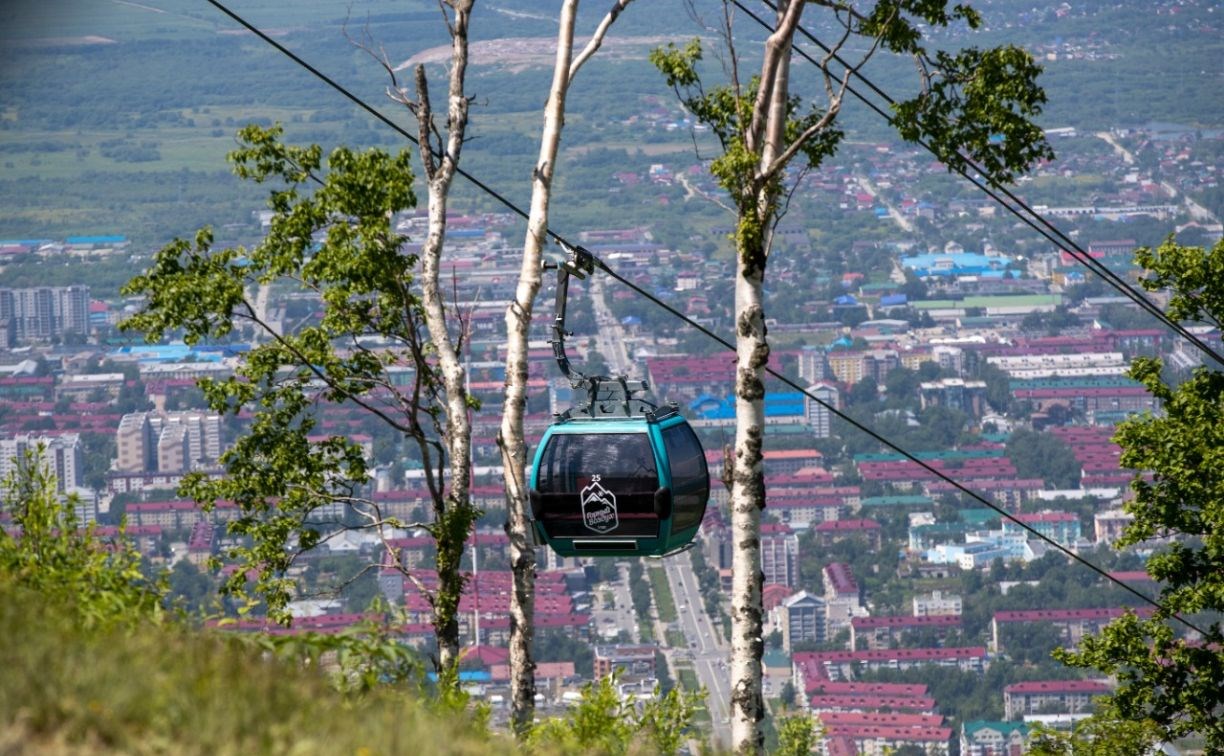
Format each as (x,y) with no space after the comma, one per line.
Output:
(780,407)
(95,240)
(953,264)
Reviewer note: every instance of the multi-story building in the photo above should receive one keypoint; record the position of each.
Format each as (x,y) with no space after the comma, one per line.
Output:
(842,665)
(802,619)
(954,393)
(1036,366)
(813,365)
(1074,624)
(884,631)
(1110,524)
(950,359)
(83,387)
(879,733)
(1051,697)
(60,455)
(853,366)
(993,738)
(171,443)
(820,416)
(45,312)
(842,600)
(172,454)
(1061,527)
(135,451)
(635,662)
(779,554)
(936,604)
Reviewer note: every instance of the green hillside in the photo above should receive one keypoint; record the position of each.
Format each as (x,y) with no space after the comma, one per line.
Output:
(166,689)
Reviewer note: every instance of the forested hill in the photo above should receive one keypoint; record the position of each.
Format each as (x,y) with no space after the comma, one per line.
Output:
(116,116)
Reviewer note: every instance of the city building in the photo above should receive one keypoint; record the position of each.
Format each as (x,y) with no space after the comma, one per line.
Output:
(842,599)
(1073,623)
(779,554)
(993,738)
(954,393)
(168,443)
(1061,527)
(42,313)
(802,617)
(936,604)
(880,733)
(1051,697)
(868,633)
(60,455)
(634,662)
(820,416)
(1110,524)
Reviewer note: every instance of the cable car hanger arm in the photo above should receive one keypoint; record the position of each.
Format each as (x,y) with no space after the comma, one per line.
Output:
(603,392)
(580,263)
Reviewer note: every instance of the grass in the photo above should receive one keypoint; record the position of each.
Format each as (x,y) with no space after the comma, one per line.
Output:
(676,639)
(688,680)
(158,689)
(665,604)
(688,677)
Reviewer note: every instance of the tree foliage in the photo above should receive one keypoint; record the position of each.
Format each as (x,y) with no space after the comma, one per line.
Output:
(796,735)
(977,105)
(53,553)
(1041,455)
(1168,678)
(294,486)
(1103,734)
(606,722)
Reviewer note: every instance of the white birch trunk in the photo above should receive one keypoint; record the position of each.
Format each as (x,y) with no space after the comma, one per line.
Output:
(511,440)
(457,431)
(518,324)
(752,356)
(747,500)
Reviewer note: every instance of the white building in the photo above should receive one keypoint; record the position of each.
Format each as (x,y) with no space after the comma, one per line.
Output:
(936,603)
(819,416)
(61,456)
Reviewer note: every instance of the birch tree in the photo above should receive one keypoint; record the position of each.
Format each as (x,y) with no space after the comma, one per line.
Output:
(333,234)
(439,153)
(964,100)
(518,324)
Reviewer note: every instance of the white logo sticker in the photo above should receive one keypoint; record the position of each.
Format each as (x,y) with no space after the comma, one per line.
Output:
(599,507)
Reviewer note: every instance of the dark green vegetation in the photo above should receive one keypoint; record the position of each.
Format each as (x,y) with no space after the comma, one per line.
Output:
(1176,683)
(78,614)
(125,133)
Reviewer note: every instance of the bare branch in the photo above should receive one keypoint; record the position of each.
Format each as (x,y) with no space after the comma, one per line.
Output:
(593,45)
(424,124)
(777,46)
(780,162)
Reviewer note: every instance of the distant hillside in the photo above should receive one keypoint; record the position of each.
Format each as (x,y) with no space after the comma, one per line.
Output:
(116,117)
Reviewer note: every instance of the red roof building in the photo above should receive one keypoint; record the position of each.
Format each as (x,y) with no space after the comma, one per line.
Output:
(1051,696)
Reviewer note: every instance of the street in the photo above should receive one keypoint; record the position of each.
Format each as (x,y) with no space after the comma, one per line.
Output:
(706,648)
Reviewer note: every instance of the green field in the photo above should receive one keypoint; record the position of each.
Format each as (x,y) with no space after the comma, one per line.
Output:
(664,603)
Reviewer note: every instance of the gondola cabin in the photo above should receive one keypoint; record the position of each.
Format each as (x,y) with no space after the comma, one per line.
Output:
(619,485)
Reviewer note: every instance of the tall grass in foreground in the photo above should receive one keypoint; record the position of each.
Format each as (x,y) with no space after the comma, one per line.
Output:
(169,689)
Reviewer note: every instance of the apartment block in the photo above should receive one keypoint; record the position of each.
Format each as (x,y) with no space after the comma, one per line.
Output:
(60,455)
(168,443)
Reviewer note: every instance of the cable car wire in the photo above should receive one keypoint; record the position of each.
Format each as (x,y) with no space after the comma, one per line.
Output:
(601,265)
(1045,229)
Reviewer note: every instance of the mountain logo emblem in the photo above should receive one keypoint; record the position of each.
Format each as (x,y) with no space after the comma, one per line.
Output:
(599,507)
